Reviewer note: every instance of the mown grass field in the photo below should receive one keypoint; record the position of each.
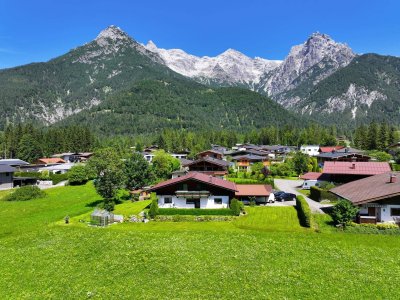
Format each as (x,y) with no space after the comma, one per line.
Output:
(264,255)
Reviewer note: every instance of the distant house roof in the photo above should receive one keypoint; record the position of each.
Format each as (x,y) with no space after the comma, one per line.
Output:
(349,150)
(52,160)
(249,157)
(13,162)
(395,145)
(212,151)
(207,179)
(249,152)
(355,168)
(6,169)
(64,154)
(337,154)
(369,189)
(330,149)
(60,167)
(185,162)
(311,176)
(211,160)
(256,190)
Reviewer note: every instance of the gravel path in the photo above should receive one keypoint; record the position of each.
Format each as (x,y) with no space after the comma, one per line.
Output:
(290,186)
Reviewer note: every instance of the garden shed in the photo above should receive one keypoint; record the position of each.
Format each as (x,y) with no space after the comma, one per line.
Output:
(101,217)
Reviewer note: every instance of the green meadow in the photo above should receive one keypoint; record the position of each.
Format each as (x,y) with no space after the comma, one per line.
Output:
(265,254)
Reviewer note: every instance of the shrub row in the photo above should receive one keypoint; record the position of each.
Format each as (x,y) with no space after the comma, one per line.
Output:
(303,211)
(396,167)
(194,212)
(56,178)
(389,229)
(318,194)
(269,181)
(180,218)
(25,193)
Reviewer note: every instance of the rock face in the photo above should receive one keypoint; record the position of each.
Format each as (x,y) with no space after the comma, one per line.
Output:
(319,49)
(229,68)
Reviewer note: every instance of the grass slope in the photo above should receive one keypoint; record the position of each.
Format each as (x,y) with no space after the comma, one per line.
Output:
(210,260)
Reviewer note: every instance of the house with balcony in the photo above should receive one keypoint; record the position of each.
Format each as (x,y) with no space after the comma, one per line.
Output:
(195,190)
(310,150)
(377,197)
(243,163)
(209,166)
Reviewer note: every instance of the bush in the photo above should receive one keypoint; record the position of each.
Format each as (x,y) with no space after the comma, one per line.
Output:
(194,212)
(235,207)
(78,175)
(44,175)
(303,211)
(344,212)
(153,211)
(318,194)
(387,229)
(57,178)
(25,193)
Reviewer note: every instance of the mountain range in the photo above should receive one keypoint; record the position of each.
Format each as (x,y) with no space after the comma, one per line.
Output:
(117,85)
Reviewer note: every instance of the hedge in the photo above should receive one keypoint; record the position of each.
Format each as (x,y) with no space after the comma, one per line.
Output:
(396,167)
(194,212)
(303,211)
(269,181)
(318,194)
(56,178)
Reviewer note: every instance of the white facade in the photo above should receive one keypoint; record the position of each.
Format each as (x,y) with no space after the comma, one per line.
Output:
(171,201)
(150,155)
(310,150)
(384,212)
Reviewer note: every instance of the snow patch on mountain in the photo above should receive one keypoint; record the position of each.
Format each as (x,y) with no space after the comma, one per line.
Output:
(231,66)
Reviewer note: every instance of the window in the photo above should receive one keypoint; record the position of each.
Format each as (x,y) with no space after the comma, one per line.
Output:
(7,174)
(217,201)
(167,200)
(189,201)
(184,187)
(395,211)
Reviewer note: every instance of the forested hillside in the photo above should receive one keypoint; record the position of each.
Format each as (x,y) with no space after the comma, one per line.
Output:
(152,105)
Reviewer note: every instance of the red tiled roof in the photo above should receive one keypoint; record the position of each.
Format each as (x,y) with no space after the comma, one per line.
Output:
(224,184)
(253,190)
(355,168)
(52,160)
(330,149)
(369,189)
(311,176)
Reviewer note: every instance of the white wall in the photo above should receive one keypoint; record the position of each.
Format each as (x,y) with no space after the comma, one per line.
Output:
(385,213)
(181,202)
(310,150)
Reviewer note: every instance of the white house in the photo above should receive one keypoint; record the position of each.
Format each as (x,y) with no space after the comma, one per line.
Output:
(194,190)
(378,197)
(310,150)
(150,155)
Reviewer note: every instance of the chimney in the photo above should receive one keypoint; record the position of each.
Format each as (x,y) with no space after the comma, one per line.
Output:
(393,178)
(353,166)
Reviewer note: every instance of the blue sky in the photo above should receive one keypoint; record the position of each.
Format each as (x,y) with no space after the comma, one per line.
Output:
(32,31)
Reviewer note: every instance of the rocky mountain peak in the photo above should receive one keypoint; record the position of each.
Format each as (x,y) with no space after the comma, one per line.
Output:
(112,32)
(318,48)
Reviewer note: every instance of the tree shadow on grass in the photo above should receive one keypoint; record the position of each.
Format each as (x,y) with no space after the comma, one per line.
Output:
(94,203)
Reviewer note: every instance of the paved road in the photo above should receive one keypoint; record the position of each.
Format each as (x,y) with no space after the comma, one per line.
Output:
(290,186)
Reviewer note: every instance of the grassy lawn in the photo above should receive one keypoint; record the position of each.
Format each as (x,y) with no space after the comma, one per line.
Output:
(4,193)
(129,208)
(270,219)
(276,259)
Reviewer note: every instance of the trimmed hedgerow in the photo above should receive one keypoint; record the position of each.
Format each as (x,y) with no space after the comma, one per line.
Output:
(195,212)
(303,211)
(25,193)
(318,194)
(388,229)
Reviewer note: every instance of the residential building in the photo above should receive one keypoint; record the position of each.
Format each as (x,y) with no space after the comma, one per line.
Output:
(344,171)
(378,197)
(258,192)
(13,162)
(209,165)
(194,190)
(217,154)
(150,155)
(345,154)
(6,177)
(243,163)
(310,150)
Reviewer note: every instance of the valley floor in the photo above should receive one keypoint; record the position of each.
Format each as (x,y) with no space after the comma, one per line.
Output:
(263,255)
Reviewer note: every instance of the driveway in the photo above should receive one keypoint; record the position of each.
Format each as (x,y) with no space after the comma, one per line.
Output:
(290,186)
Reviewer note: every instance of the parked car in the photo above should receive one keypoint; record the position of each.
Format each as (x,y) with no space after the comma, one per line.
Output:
(278,193)
(286,197)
